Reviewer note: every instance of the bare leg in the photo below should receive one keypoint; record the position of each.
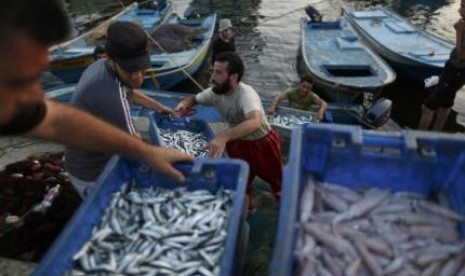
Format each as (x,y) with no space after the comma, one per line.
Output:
(426,118)
(441,118)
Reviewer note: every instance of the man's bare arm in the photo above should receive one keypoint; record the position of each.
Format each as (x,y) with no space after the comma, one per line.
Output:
(252,123)
(75,128)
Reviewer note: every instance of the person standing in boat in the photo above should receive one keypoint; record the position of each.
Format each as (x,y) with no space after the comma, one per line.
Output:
(28,29)
(451,80)
(225,41)
(106,89)
(249,136)
(300,97)
(99,52)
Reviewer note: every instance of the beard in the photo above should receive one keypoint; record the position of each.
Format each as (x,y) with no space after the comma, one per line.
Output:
(221,89)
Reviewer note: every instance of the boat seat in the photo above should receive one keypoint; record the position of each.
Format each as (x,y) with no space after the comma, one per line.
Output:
(348,43)
(146,12)
(369,14)
(325,25)
(400,27)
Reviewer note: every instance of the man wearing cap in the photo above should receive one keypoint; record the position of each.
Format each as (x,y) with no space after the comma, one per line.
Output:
(106,90)
(28,29)
(225,40)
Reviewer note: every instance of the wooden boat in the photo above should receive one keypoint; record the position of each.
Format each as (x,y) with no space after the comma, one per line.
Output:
(340,65)
(407,48)
(171,68)
(71,58)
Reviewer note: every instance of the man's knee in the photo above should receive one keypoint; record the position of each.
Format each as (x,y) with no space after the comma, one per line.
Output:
(426,111)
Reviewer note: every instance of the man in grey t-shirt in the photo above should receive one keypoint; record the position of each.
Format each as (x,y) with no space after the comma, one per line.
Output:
(249,136)
(105,90)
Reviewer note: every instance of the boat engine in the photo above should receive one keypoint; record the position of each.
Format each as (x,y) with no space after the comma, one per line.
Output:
(378,113)
(313,14)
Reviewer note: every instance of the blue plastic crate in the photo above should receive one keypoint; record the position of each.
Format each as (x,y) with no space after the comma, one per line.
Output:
(421,162)
(160,121)
(210,174)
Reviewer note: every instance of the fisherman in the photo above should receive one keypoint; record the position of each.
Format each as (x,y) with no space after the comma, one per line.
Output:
(28,29)
(300,97)
(99,52)
(106,90)
(249,136)
(225,41)
(452,79)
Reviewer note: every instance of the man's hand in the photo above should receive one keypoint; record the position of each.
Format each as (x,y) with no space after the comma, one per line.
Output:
(216,146)
(181,107)
(162,159)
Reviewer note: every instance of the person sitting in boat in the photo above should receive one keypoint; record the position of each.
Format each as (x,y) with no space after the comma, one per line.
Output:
(300,97)
(249,136)
(225,41)
(106,90)
(452,79)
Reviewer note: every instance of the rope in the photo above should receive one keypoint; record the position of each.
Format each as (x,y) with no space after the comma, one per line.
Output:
(152,72)
(172,60)
(290,12)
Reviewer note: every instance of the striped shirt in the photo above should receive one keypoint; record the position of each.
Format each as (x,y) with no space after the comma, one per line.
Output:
(100,93)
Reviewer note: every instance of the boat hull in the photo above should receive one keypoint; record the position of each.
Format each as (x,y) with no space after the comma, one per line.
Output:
(341,67)
(419,56)
(71,58)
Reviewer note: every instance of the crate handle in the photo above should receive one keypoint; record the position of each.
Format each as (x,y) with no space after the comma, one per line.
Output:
(374,144)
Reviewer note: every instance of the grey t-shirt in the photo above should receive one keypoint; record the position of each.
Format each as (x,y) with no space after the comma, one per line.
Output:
(235,107)
(100,93)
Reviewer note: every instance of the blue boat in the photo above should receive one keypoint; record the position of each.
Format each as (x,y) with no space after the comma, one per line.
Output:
(407,48)
(340,65)
(349,114)
(63,94)
(71,58)
(171,68)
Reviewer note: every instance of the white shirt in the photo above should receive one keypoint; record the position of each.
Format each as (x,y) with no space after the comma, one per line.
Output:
(235,107)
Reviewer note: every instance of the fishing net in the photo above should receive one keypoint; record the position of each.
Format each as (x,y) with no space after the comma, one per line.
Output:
(24,233)
(175,38)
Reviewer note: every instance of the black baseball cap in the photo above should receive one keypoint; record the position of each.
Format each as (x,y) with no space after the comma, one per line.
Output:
(127,46)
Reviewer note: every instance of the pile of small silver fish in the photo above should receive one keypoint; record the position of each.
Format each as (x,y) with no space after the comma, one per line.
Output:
(158,232)
(289,120)
(187,141)
(376,232)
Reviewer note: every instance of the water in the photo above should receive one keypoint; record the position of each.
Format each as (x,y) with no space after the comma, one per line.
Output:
(268,41)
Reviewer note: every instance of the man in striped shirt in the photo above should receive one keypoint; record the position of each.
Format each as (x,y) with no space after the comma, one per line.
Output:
(106,90)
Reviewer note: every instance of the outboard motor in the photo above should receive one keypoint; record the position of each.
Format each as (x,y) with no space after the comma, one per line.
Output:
(379,112)
(313,14)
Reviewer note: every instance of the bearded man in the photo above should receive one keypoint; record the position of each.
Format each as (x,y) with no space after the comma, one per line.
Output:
(249,136)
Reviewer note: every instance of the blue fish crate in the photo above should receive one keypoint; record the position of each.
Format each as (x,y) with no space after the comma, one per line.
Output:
(161,121)
(412,161)
(208,174)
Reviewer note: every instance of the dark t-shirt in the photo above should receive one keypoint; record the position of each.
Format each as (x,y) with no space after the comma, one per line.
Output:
(26,118)
(220,46)
(100,93)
